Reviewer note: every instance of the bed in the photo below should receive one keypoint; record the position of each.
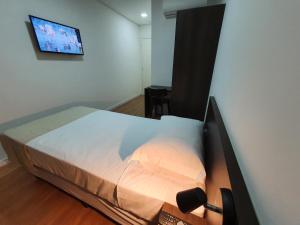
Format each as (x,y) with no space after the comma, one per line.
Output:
(115,163)
(103,158)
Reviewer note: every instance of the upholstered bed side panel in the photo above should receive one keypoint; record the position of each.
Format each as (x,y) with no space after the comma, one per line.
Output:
(68,178)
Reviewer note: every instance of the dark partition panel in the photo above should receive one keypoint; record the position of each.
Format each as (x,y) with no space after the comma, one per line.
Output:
(196,43)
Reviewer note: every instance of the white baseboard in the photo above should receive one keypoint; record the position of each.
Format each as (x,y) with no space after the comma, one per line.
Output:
(3,162)
(110,108)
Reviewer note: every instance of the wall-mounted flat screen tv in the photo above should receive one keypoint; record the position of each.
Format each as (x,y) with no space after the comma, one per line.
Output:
(56,38)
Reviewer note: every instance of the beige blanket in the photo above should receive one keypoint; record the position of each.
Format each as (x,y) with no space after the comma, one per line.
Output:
(31,130)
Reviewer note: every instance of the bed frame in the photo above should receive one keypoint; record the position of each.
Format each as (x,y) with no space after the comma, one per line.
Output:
(223,170)
(221,167)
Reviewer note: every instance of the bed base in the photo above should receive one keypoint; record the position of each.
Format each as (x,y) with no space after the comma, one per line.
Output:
(87,199)
(18,155)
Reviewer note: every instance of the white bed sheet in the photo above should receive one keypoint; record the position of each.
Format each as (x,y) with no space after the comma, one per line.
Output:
(102,143)
(99,143)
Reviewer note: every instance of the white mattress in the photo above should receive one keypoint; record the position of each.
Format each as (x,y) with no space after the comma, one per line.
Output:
(99,143)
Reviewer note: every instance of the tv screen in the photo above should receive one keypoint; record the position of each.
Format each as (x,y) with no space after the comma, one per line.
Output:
(55,37)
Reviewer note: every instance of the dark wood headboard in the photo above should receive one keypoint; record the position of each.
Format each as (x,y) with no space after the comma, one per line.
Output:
(223,170)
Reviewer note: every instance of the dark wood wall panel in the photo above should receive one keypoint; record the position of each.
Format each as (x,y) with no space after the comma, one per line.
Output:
(222,170)
(196,43)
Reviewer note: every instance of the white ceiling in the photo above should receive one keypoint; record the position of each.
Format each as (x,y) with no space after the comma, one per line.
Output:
(131,9)
(174,5)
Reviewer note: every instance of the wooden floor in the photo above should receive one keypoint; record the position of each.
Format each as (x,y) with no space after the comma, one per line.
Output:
(134,107)
(26,200)
(6,169)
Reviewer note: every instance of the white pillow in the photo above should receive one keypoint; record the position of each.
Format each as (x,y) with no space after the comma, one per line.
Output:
(177,148)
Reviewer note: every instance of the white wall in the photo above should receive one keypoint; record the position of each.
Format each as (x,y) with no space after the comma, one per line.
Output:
(256,84)
(30,82)
(145,32)
(163,38)
(145,36)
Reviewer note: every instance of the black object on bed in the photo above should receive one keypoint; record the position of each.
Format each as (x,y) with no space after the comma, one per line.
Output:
(223,170)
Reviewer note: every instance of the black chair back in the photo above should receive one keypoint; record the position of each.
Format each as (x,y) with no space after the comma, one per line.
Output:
(158,92)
